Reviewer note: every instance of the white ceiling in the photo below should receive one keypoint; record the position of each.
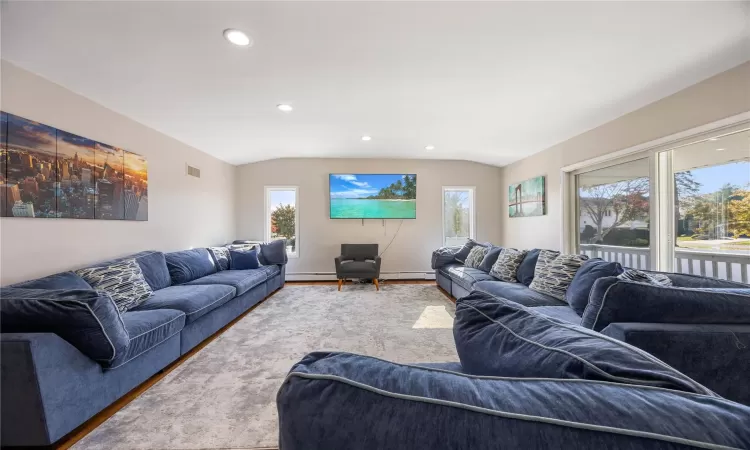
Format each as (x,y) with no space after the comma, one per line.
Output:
(487,82)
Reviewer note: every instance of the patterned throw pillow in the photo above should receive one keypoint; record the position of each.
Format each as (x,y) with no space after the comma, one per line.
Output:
(220,256)
(123,281)
(476,256)
(657,279)
(554,272)
(462,254)
(507,263)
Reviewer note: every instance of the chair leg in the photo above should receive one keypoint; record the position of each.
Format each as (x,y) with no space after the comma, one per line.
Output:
(377,286)
(341,281)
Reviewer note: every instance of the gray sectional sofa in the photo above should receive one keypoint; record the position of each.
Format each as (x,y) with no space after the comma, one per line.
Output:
(51,386)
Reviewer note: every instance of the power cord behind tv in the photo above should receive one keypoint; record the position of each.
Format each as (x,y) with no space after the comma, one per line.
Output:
(380,280)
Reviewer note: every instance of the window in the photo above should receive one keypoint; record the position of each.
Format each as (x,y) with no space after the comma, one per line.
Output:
(613,212)
(711,185)
(679,204)
(458,215)
(282,217)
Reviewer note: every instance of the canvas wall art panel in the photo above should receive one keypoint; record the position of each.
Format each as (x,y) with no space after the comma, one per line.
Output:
(527,198)
(47,172)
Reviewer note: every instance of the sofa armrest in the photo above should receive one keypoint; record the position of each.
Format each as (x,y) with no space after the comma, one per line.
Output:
(337,401)
(37,405)
(613,301)
(717,356)
(443,256)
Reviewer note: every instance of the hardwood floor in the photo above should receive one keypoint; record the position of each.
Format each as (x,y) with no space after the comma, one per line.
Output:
(76,435)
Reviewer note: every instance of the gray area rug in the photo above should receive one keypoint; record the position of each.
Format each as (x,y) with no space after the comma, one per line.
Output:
(224,396)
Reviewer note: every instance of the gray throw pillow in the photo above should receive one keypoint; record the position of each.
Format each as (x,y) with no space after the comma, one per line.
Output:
(220,256)
(507,263)
(123,281)
(657,279)
(476,256)
(554,272)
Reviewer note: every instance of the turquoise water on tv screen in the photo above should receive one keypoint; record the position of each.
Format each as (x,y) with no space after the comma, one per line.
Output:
(357,208)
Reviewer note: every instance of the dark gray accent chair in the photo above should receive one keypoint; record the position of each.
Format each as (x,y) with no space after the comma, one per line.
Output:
(358,261)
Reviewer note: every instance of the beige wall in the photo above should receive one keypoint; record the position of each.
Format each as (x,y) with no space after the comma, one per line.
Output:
(183,211)
(320,237)
(716,98)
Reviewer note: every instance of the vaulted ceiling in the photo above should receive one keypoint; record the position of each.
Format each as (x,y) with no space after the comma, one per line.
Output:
(491,82)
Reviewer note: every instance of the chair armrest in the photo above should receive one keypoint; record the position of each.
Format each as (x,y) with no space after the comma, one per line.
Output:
(337,401)
(613,301)
(443,256)
(717,356)
(377,266)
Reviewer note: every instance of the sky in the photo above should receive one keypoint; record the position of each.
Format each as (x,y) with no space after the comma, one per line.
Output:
(713,178)
(359,186)
(281,198)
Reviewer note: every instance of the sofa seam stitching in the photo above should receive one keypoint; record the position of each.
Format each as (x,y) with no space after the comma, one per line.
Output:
(506,414)
(144,351)
(182,314)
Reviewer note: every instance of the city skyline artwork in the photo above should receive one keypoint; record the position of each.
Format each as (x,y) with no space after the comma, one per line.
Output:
(47,172)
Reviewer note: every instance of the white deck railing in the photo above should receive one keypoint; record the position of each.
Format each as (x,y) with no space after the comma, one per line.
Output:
(726,266)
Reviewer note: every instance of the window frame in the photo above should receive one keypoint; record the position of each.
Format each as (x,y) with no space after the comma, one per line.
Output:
(267,190)
(661,186)
(472,209)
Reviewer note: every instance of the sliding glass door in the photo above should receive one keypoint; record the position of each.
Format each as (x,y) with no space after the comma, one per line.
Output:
(683,207)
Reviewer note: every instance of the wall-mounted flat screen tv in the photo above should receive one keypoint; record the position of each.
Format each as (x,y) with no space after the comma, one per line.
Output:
(373,196)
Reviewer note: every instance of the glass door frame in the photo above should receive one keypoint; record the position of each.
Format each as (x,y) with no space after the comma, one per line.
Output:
(661,186)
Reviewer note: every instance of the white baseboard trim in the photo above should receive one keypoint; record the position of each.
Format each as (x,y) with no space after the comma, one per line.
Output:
(331,276)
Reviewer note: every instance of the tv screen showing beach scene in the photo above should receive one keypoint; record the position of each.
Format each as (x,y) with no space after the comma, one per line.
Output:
(373,196)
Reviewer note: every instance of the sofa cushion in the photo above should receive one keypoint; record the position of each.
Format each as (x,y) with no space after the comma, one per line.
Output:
(189,265)
(62,280)
(241,280)
(564,313)
(244,260)
(221,257)
(331,400)
(87,319)
(613,300)
(507,263)
(490,258)
(273,252)
(554,272)
(516,292)
(525,272)
(153,265)
(147,329)
(123,281)
(501,338)
(578,292)
(463,253)
(465,276)
(271,271)
(194,300)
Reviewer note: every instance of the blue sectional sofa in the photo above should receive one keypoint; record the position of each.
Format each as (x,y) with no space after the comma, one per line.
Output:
(536,374)
(700,325)
(50,387)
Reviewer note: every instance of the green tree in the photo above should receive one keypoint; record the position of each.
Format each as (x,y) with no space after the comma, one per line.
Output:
(455,210)
(283,222)
(739,212)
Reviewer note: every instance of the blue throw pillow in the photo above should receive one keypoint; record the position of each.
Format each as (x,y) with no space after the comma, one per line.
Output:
(86,318)
(525,272)
(489,259)
(62,280)
(499,337)
(577,294)
(274,252)
(244,260)
(189,265)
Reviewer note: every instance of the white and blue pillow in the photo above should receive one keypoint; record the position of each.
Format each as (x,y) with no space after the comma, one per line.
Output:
(123,281)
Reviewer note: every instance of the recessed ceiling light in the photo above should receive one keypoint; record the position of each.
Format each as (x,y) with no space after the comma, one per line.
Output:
(430,147)
(713,139)
(366,138)
(237,37)
(720,149)
(284,107)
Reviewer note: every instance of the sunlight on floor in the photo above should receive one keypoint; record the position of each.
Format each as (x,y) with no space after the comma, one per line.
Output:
(434,317)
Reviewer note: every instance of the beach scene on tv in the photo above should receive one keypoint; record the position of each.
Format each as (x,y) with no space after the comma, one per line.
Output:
(373,196)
